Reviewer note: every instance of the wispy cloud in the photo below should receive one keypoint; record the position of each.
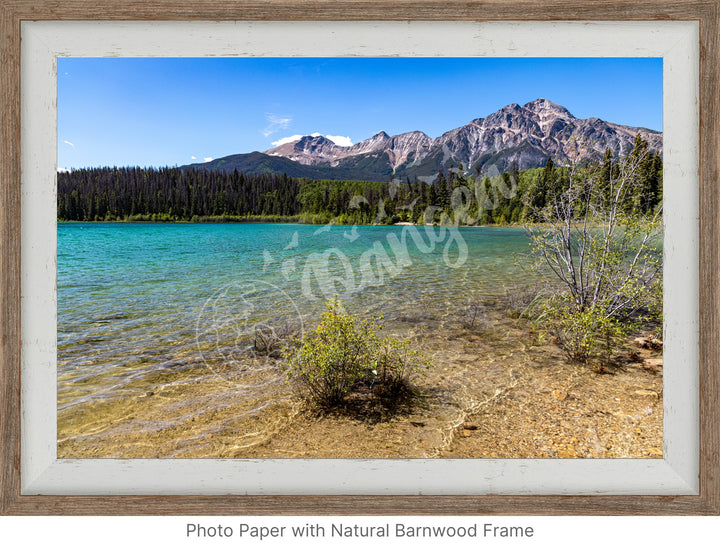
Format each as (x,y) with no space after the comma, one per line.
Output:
(207,159)
(69,144)
(275,123)
(193,157)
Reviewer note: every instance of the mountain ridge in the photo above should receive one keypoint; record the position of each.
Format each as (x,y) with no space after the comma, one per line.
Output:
(523,136)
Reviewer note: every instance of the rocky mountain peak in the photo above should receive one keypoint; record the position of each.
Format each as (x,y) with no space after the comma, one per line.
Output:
(377,142)
(313,142)
(513,135)
(413,136)
(307,149)
(541,105)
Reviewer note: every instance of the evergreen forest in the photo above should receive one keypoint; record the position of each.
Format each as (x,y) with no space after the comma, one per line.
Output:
(450,197)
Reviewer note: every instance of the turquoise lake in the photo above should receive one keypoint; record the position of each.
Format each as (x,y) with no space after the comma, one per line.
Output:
(133,298)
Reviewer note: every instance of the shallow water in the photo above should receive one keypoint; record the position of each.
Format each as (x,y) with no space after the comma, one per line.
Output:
(139,299)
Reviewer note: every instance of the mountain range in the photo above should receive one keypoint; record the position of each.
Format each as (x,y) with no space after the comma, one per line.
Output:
(523,135)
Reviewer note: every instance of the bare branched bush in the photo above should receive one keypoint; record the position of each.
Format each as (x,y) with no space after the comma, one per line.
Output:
(270,340)
(595,241)
(475,315)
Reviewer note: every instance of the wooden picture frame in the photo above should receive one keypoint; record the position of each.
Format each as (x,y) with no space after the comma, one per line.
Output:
(13,12)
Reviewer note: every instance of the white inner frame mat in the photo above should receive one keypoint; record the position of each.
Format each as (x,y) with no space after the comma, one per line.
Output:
(676,42)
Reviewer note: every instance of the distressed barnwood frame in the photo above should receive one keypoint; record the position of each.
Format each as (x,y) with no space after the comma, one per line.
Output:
(705,12)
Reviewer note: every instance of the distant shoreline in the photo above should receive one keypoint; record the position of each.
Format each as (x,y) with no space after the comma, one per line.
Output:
(270,221)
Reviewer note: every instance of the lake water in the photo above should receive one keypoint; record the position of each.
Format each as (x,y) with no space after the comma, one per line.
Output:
(137,298)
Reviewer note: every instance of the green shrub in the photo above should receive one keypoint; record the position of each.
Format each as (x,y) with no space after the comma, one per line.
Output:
(583,335)
(345,355)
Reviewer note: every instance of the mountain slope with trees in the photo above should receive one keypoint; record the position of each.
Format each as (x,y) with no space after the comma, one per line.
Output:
(522,136)
(177,194)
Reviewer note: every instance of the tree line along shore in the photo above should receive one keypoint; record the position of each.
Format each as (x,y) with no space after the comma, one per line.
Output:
(449,197)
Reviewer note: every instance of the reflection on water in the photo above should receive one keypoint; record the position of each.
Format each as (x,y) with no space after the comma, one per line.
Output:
(140,299)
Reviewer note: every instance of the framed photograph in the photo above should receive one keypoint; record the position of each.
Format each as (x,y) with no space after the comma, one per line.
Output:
(423,258)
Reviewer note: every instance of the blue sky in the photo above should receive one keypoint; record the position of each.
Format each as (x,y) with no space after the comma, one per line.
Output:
(170,111)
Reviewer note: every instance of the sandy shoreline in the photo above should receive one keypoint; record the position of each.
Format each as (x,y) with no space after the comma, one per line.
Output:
(495,392)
